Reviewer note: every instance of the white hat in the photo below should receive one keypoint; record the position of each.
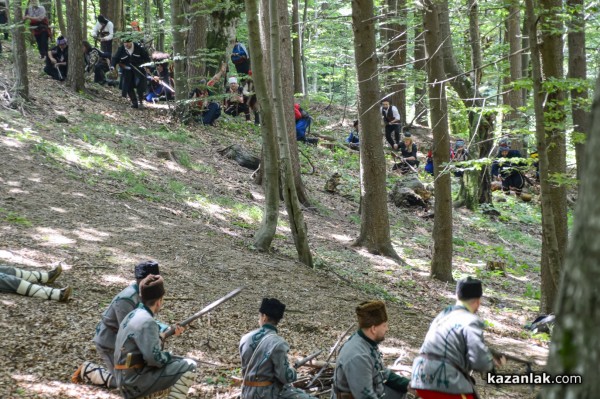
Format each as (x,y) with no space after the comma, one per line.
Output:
(232,79)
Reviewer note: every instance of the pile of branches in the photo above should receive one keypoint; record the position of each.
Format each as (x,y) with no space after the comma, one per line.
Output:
(316,378)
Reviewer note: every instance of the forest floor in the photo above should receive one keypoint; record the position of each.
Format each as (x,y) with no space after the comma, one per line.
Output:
(96,194)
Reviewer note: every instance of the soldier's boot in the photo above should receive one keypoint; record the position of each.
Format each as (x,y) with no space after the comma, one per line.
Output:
(92,373)
(39,277)
(39,291)
(182,386)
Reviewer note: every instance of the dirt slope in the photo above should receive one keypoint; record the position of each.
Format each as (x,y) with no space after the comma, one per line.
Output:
(95,195)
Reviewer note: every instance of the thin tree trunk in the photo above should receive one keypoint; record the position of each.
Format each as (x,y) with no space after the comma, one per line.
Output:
(21,87)
(441,263)
(297,43)
(292,203)
(105,8)
(550,246)
(75,77)
(61,18)
(578,70)
(84,20)
(160,8)
(396,54)
(285,46)
(575,348)
(374,218)
(304,37)
(421,108)
(264,236)
(178,23)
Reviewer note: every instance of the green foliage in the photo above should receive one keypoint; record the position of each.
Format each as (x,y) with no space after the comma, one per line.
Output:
(14,218)
(532,292)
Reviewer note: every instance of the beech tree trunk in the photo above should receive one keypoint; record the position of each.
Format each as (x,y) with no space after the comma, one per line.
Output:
(441,263)
(421,108)
(395,33)
(61,18)
(270,159)
(551,47)
(21,86)
(296,44)
(550,247)
(177,23)
(375,225)
(196,42)
(292,203)
(84,20)
(575,347)
(75,78)
(514,98)
(160,9)
(578,70)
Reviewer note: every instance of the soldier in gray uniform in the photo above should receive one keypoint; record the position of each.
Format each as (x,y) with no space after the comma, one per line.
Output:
(142,368)
(265,368)
(359,370)
(23,282)
(453,347)
(106,330)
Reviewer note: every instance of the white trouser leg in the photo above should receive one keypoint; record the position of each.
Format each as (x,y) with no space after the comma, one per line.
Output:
(38,291)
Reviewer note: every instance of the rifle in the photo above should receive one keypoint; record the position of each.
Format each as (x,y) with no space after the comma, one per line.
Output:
(497,354)
(307,359)
(331,352)
(402,160)
(57,66)
(171,330)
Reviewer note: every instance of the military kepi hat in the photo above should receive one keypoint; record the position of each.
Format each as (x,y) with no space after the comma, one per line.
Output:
(469,288)
(371,313)
(152,287)
(146,268)
(272,308)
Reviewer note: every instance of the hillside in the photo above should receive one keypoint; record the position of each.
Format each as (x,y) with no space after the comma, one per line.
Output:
(97,195)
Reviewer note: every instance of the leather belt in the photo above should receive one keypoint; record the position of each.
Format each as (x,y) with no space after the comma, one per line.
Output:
(257,383)
(343,395)
(125,367)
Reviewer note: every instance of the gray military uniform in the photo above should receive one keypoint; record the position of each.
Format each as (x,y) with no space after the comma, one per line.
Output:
(359,370)
(264,359)
(454,342)
(139,335)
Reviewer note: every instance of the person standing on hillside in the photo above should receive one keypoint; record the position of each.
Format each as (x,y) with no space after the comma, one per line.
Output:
(130,56)
(359,370)
(106,330)
(23,282)
(104,30)
(141,366)
(265,368)
(240,58)
(392,122)
(453,347)
(39,25)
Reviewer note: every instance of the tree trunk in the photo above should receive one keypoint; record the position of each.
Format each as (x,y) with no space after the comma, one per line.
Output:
(375,225)
(160,8)
(550,246)
(61,18)
(115,14)
(178,23)
(84,20)
(441,263)
(297,43)
(270,159)
(292,203)
(421,108)
(395,34)
(75,77)
(21,86)
(578,70)
(551,50)
(104,8)
(480,120)
(515,100)
(304,34)
(196,42)
(285,47)
(575,348)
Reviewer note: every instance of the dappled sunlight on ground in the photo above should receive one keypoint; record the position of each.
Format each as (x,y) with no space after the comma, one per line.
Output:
(90,234)
(112,279)
(342,238)
(51,237)
(25,256)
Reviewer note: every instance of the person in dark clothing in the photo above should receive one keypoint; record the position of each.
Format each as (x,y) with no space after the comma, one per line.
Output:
(130,56)
(39,25)
(57,60)
(353,138)
(460,154)
(4,19)
(159,79)
(391,119)
(408,152)
(97,61)
(508,172)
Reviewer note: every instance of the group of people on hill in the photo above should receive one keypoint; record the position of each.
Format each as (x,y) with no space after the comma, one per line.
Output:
(129,340)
